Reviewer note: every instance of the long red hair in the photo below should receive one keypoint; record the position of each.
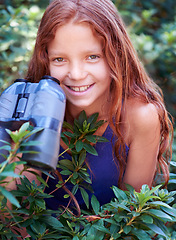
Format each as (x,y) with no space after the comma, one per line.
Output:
(129,79)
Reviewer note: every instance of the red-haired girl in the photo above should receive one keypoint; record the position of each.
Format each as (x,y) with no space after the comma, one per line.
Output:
(85,45)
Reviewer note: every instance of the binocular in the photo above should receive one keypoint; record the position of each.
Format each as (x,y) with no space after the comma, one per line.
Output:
(42,104)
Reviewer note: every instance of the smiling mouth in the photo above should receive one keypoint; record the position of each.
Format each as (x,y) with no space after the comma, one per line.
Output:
(79,89)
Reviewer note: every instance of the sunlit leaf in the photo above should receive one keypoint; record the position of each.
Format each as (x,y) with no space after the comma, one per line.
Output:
(159,214)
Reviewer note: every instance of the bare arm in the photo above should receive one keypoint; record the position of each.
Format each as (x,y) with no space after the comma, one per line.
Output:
(143,128)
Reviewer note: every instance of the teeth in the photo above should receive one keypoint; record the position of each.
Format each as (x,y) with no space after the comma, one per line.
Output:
(80,89)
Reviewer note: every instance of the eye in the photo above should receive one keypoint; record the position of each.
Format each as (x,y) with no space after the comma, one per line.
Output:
(93,57)
(59,59)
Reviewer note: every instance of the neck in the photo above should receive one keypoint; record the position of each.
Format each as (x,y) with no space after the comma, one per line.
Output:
(73,112)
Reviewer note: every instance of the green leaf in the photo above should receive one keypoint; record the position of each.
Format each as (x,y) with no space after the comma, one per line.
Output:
(6,147)
(82,158)
(99,124)
(22,132)
(159,214)
(171,211)
(102,229)
(172,181)
(160,203)
(31,152)
(5,142)
(156,229)
(40,203)
(69,134)
(76,126)
(24,127)
(173,163)
(48,174)
(36,130)
(9,196)
(73,181)
(66,172)
(52,221)
(84,176)
(120,205)
(41,180)
(30,143)
(85,196)
(79,145)
(27,222)
(75,175)
(146,219)
(66,163)
(90,149)
(93,118)
(82,117)
(65,140)
(14,136)
(95,204)
(75,189)
(91,138)
(127,229)
(67,125)
(154,189)
(101,139)
(145,199)
(141,234)
(38,227)
(75,238)
(9,174)
(71,145)
(120,194)
(85,126)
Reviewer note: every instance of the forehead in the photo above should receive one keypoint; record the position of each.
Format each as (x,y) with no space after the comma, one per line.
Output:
(75,35)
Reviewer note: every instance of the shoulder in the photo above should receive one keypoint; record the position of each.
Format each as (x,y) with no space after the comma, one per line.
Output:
(140,119)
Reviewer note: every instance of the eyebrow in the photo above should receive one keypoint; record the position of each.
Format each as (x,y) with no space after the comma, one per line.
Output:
(85,51)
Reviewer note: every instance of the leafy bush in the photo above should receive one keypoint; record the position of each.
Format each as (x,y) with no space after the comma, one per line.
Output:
(17,33)
(130,214)
(152,27)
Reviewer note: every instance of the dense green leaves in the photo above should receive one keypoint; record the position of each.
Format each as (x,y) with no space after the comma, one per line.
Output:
(17,33)
(129,215)
(151,25)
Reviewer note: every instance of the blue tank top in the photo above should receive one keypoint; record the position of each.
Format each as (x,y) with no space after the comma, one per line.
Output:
(104,174)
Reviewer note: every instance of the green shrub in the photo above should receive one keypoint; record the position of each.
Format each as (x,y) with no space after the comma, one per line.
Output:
(130,215)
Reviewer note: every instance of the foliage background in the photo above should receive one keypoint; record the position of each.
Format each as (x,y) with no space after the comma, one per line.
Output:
(151,25)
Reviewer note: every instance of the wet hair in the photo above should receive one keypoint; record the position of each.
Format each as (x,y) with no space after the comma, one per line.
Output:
(129,78)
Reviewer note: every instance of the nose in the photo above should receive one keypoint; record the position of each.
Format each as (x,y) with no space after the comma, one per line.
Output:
(77,71)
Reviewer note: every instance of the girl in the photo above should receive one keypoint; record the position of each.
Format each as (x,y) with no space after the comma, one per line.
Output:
(84,44)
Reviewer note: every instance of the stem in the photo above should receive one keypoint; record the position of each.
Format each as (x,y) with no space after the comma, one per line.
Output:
(11,156)
(64,182)
(64,152)
(132,219)
(8,160)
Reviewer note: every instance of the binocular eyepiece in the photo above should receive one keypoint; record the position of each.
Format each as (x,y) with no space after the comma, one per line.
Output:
(42,104)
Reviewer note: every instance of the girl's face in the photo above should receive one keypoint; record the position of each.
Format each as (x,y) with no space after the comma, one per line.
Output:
(77,60)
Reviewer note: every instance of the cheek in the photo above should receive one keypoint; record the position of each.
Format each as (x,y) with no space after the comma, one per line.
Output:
(104,73)
(58,73)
